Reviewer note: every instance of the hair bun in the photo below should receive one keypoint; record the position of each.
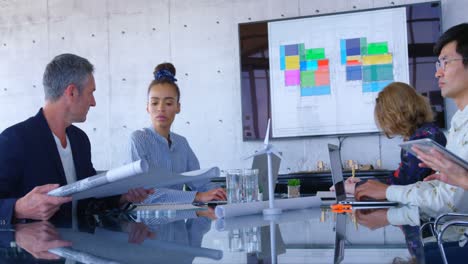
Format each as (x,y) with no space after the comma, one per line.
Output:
(164,75)
(165,72)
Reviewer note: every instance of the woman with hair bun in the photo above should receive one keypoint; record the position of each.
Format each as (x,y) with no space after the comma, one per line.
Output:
(166,149)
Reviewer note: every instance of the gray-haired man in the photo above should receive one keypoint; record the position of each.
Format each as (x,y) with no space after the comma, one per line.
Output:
(45,151)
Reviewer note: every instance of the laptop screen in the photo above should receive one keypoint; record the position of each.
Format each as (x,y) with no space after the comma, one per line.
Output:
(337,172)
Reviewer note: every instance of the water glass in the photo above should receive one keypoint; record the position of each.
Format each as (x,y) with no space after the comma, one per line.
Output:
(245,239)
(250,185)
(234,185)
(252,239)
(236,240)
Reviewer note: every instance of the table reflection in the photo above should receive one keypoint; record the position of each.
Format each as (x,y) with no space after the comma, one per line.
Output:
(315,235)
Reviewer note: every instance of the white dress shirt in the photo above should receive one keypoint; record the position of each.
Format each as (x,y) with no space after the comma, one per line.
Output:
(436,197)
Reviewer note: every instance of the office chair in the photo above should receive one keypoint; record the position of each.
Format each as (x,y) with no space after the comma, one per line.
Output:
(457,219)
(434,225)
(444,227)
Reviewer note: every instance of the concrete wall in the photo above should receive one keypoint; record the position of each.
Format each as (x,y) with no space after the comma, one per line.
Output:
(126,39)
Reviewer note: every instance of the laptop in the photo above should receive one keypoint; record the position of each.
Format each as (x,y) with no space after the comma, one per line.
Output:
(340,230)
(338,182)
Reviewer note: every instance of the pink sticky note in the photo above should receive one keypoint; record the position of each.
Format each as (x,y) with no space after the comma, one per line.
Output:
(292,78)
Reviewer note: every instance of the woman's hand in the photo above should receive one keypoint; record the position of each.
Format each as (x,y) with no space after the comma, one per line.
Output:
(218,194)
(372,218)
(371,189)
(350,185)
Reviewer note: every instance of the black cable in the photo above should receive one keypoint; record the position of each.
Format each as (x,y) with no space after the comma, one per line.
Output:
(340,141)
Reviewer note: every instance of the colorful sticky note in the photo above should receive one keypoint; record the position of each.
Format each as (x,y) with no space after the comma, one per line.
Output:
(374,87)
(315,54)
(377,59)
(323,64)
(315,91)
(282,59)
(379,72)
(353,73)
(292,63)
(307,78)
(322,77)
(377,48)
(353,47)
(291,50)
(292,78)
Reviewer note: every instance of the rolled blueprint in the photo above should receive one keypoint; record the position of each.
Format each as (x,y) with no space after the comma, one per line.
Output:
(131,169)
(238,209)
(154,177)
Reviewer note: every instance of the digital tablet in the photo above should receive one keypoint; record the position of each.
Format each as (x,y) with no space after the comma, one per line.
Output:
(426,144)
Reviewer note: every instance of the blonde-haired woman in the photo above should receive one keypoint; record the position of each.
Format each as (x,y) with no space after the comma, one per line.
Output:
(401,111)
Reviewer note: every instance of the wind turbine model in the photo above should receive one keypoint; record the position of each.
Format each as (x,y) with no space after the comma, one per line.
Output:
(268,149)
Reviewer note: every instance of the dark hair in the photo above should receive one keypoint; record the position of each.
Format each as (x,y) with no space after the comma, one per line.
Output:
(458,33)
(63,70)
(400,110)
(165,73)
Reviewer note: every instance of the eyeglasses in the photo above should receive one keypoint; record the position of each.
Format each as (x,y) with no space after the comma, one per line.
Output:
(441,63)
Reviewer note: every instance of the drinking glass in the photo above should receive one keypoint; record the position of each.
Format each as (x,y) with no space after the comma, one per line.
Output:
(250,185)
(234,185)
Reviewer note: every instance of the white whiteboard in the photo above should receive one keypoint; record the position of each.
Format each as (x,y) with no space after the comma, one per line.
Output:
(339,98)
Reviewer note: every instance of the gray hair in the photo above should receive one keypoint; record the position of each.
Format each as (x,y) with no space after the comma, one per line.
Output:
(63,70)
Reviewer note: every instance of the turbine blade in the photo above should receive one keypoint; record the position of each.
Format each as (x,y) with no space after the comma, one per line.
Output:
(257,153)
(267,133)
(274,151)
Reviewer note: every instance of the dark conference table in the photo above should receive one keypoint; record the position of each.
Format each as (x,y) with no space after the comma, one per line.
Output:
(314,235)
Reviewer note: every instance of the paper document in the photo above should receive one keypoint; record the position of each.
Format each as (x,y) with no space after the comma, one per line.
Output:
(113,175)
(154,177)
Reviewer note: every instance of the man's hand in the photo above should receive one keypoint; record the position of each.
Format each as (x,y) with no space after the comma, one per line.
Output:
(372,219)
(212,195)
(37,238)
(38,205)
(371,189)
(136,195)
(449,172)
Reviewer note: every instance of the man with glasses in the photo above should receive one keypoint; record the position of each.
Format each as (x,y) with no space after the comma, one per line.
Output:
(441,63)
(436,197)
